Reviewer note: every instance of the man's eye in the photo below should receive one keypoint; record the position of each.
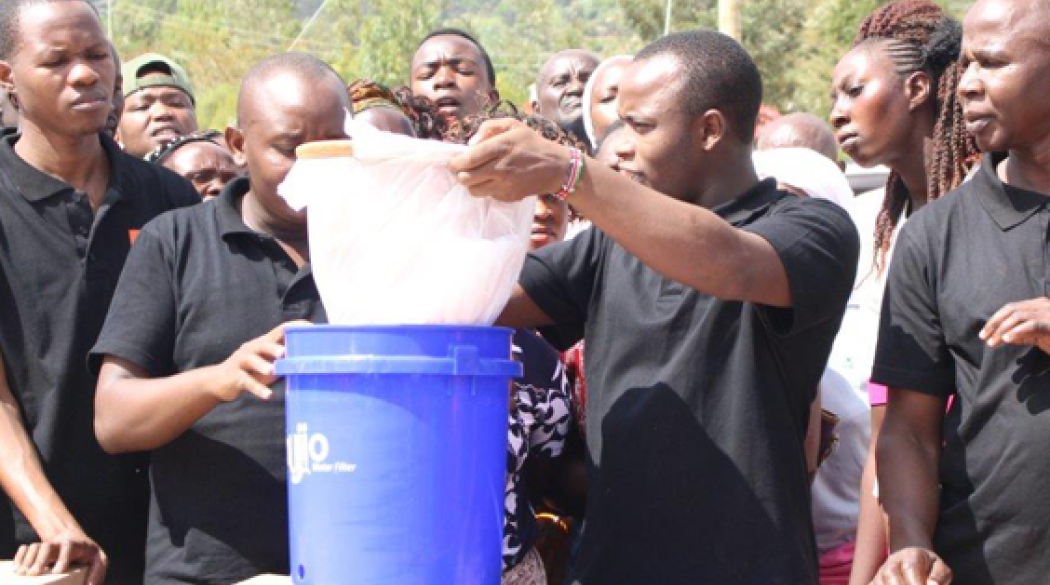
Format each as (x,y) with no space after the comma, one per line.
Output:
(854,90)
(639,127)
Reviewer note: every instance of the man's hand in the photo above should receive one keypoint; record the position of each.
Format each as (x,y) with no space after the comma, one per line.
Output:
(60,554)
(1020,323)
(913,566)
(509,161)
(250,368)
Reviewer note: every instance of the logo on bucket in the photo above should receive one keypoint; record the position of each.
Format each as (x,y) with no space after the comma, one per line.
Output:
(308,454)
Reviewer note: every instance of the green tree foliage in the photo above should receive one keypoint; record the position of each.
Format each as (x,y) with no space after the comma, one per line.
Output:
(828,33)
(796,43)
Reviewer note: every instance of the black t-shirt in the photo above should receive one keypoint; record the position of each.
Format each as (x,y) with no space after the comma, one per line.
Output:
(199,283)
(957,262)
(698,407)
(60,263)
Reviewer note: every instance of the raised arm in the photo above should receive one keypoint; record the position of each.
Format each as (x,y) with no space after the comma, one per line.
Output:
(510,162)
(23,480)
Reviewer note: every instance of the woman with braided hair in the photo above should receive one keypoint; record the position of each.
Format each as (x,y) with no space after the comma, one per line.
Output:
(894,104)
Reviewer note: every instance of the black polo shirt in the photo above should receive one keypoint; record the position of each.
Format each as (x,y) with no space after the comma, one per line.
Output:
(61,262)
(199,284)
(957,262)
(698,407)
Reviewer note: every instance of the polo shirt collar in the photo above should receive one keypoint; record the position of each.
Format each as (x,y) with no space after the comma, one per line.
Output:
(36,185)
(752,202)
(226,209)
(231,223)
(1009,206)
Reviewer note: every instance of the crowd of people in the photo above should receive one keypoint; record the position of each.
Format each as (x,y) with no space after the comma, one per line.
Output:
(737,370)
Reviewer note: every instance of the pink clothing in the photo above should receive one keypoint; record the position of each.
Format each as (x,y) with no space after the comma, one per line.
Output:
(836,565)
(878,395)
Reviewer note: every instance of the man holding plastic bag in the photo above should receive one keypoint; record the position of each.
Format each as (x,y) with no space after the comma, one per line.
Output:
(709,301)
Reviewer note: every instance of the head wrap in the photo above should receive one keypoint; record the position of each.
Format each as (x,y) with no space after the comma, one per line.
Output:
(165,150)
(588,91)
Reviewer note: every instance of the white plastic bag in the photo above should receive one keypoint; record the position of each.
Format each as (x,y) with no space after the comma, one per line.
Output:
(395,239)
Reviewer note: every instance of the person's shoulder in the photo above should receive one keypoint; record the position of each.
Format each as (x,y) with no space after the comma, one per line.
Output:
(941,218)
(175,224)
(811,210)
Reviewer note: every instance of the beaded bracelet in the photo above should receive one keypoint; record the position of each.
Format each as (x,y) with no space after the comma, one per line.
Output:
(573,175)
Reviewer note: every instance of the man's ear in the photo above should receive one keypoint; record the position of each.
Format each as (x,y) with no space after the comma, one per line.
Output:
(710,129)
(235,140)
(7,81)
(919,88)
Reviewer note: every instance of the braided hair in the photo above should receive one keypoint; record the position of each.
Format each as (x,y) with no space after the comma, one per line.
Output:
(366,94)
(917,36)
(461,131)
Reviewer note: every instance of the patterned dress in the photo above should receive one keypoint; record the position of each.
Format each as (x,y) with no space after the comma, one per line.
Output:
(540,417)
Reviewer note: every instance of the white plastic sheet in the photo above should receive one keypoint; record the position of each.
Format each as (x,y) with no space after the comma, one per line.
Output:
(396,240)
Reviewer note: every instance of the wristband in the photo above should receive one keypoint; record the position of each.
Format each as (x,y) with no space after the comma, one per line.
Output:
(572,175)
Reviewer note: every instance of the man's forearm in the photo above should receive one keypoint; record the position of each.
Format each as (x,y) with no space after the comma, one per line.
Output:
(22,475)
(908,486)
(141,413)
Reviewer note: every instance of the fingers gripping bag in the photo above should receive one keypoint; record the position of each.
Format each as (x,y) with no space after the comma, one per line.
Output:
(395,239)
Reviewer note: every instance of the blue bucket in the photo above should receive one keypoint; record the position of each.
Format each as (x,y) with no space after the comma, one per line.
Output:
(397,442)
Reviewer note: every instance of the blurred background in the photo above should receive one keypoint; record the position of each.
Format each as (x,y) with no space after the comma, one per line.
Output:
(795,42)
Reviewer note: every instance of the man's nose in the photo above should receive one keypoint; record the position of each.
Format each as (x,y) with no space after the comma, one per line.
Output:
(83,75)
(444,78)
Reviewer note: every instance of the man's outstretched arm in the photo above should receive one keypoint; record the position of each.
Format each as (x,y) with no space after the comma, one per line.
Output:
(510,162)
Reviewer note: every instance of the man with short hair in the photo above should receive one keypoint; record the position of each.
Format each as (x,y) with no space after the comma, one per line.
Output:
(71,205)
(799,130)
(559,89)
(966,322)
(159,104)
(709,301)
(453,70)
(187,374)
